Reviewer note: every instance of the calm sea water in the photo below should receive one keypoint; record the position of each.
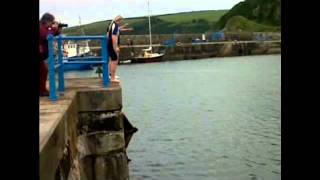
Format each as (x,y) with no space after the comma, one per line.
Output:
(210,119)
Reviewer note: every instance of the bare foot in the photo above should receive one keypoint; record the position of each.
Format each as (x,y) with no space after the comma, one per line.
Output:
(115,80)
(117,77)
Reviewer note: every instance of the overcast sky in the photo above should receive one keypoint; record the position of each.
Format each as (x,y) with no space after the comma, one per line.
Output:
(68,11)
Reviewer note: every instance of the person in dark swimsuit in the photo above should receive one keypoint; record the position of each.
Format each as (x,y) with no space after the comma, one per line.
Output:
(113,34)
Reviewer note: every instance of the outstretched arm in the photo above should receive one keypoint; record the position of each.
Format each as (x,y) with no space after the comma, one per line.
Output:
(126,29)
(123,28)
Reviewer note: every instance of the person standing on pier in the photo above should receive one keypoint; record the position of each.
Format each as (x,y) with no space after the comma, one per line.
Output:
(113,34)
(48,25)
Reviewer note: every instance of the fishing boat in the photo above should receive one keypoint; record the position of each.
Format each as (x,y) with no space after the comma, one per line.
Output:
(73,51)
(67,66)
(79,49)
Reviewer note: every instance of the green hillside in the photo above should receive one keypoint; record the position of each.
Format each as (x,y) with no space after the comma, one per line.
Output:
(248,15)
(264,12)
(186,22)
(239,22)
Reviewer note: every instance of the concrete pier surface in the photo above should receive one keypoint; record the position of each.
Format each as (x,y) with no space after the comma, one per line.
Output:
(51,113)
(84,125)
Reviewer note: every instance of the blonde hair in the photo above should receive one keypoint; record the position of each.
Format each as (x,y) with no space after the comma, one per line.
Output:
(117,18)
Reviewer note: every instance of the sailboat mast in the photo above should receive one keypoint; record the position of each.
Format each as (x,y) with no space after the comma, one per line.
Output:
(84,49)
(149,24)
(81,26)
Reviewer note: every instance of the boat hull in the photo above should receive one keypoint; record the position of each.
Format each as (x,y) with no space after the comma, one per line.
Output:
(77,67)
(147,59)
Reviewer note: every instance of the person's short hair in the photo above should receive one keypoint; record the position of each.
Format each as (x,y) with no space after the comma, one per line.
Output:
(47,17)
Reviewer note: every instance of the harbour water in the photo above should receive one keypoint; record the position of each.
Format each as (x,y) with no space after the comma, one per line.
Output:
(210,119)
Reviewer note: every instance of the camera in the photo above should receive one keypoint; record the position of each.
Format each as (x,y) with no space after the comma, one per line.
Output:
(61,25)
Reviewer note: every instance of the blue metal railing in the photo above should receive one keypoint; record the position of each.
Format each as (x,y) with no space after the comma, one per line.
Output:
(83,60)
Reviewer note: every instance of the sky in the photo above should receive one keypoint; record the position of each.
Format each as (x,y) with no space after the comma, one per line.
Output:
(69,11)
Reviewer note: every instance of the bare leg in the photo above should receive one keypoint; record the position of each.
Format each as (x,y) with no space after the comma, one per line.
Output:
(113,67)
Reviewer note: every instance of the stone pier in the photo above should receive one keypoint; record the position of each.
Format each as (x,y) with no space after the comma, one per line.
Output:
(84,134)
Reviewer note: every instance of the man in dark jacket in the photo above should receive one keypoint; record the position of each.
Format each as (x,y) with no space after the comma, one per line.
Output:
(48,25)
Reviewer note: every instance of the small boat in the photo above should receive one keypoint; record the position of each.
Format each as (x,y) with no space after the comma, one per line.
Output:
(128,61)
(148,55)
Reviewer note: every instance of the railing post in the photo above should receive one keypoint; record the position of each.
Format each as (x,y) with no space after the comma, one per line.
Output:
(60,68)
(52,81)
(105,64)
(51,62)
